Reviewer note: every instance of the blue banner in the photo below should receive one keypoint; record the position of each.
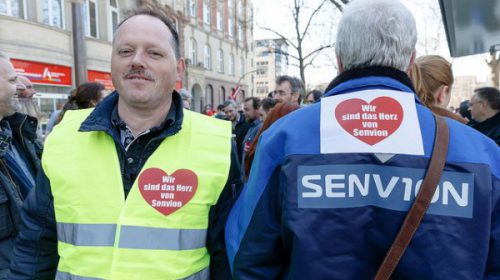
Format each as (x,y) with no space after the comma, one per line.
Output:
(395,188)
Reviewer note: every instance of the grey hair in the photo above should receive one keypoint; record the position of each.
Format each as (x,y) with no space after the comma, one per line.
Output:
(229,103)
(185,95)
(376,33)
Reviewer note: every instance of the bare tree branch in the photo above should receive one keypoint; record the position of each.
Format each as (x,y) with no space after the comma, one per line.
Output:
(278,34)
(311,17)
(316,51)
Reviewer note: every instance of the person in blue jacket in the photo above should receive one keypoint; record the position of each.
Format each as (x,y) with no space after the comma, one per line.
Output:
(332,182)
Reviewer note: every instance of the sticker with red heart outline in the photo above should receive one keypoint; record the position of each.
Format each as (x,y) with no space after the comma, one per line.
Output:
(370,122)
(167,193)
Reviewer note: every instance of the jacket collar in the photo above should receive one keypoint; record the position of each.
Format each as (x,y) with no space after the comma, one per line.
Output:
(23,125)
(101,117)
(369,78)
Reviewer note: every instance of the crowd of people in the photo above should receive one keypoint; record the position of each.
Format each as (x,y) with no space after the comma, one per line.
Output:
(373,178)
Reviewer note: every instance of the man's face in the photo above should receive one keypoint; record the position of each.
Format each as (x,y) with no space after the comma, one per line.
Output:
(8,85)
(28,90)
(230,112)
(144,68)
(283,93)
(250,113)
(477,108)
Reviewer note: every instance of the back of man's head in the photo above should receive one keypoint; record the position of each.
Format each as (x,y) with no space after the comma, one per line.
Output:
(490,95)
(376,33)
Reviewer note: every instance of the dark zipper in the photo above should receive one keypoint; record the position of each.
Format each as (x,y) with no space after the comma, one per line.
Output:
(21,131)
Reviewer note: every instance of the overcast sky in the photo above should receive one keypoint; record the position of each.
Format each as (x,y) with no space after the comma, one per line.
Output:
(276,15)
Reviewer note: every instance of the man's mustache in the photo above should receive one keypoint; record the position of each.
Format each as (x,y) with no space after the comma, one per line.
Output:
(140,72)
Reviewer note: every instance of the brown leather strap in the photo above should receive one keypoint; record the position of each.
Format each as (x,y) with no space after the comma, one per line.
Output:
(421,203)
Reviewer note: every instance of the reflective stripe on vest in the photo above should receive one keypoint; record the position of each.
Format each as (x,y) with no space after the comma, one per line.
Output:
(131,236)
(86,234)
(61,275)
(102,235)
(162,238)
(201,275)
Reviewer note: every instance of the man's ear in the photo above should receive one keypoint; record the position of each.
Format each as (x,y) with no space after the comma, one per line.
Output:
(339,64)
(181,68)
(412,60)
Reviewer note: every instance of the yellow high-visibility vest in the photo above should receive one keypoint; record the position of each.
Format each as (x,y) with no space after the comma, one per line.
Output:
(159,230)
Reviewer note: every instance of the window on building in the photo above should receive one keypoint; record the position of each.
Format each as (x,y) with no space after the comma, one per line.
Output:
(206,11)
(192,8)
(208,57)
(192,51)
(231,64)
(220,61)
(91,24)
(240,31)
(14,8)
(113,17)
(222,94)
(242,66)
(53,13)
(230,24)
(240,9)
(209,95)
(220,19)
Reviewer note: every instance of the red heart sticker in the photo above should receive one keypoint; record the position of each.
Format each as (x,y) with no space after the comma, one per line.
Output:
(370,122)
(167,193)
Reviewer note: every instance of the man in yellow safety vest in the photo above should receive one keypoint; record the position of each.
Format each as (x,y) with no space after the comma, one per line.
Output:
(138,188)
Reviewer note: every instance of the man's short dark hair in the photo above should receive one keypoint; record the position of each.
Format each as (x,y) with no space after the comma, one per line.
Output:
(490,95)
(167,21)
(316,94)
(268,103)
(295,84)
(255,102)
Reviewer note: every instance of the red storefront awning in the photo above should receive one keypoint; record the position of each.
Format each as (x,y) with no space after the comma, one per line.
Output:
(101,77)
(43,73)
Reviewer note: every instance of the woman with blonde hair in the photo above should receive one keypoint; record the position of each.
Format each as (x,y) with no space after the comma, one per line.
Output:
(432,77)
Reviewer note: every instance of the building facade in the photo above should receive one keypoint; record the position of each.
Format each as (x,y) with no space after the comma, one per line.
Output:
(59,44)
(270,62)
(463,88)
(218,36)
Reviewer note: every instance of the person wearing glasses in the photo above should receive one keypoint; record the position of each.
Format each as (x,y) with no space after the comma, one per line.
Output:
(288,89)
(484,108)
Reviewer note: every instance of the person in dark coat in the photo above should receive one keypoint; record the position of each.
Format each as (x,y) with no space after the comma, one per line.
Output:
(485,110)
(240,125)
(19,161)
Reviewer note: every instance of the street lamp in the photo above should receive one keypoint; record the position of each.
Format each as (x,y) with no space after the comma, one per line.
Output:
(237,89)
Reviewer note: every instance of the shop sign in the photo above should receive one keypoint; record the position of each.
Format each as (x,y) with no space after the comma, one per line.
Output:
(101,77)
(43,73)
